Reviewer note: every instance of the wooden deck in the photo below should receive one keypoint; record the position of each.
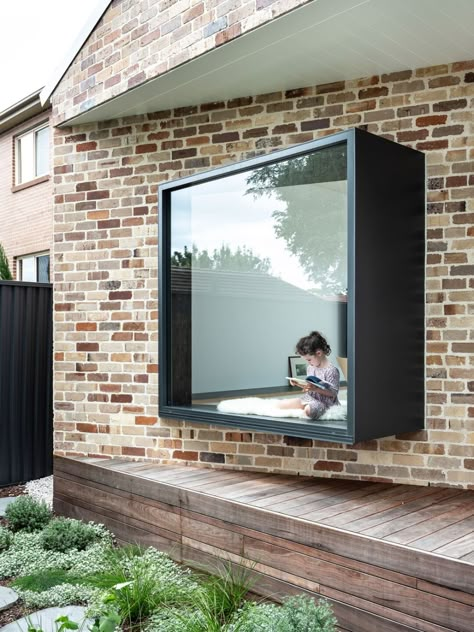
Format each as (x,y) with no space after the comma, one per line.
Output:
(389,557)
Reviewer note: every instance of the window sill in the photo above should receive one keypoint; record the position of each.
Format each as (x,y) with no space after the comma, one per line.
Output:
(30,183)
(334,432)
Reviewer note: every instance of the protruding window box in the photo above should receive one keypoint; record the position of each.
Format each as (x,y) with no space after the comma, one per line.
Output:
(327,236)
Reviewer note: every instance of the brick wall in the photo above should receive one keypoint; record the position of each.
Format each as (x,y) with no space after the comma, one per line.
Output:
(140,40)
(26,216)
(106,303)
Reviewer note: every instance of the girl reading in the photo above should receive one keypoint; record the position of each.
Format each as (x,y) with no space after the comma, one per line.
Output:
(315,401)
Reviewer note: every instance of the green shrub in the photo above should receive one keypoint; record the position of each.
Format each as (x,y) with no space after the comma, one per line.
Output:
(140,582)
(303,614)
(5,539)
(27,514)
(64,534)
(297,614)
(224,593)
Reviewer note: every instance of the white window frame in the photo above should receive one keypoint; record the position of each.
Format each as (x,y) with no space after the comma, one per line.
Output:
(34,256)
(33,132)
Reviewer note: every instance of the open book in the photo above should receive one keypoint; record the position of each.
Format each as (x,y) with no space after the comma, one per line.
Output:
(312,379)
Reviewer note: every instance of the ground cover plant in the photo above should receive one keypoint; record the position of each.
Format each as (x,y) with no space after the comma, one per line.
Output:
(68,562)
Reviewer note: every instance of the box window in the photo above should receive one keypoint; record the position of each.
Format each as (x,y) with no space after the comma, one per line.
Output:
(259,254)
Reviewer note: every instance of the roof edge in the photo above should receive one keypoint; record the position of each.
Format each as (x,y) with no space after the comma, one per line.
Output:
(22,110)
(74,50)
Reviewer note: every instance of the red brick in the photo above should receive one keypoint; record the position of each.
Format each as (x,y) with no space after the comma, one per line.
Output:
(185,456)
(146,148)
(141,420)
(432,144)
(86,146)
(423,121)
(131,451)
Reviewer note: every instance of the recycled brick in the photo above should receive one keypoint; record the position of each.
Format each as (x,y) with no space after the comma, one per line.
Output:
(256,132)
(132,451)
(241,437)
(86,146)
(373,93)
(212,457)
(226,137)
(423,121)
(401,75)
(328,466)
(361,106)
(185,456)
(413,110)
(85,427)
(146,148)
(432,144)
(142,420)
(336,86)
(445,106)
(441,82)
(410,135)
(448,130)
(315,124)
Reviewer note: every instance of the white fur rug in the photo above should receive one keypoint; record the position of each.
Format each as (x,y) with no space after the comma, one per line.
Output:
(265,407)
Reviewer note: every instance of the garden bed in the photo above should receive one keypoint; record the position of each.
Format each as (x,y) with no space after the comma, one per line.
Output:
(60,561)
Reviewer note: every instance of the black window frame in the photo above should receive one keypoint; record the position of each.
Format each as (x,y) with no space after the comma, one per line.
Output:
(362,148)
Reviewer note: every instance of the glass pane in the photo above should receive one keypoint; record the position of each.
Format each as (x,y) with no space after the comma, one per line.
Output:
(28,269)
(25,162)
(42,151)
(42,263)
(258,260)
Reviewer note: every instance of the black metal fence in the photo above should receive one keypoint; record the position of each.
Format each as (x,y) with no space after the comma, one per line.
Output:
(26,417)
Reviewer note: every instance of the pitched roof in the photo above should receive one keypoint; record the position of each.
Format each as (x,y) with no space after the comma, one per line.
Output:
(84,34)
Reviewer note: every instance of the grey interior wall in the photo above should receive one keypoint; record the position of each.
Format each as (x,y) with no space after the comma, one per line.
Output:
(241,342)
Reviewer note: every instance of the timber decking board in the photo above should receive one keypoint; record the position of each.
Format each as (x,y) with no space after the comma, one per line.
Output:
(377,524)
(350,499)
(375,585)
(374,504)
(245,512)
(437,524)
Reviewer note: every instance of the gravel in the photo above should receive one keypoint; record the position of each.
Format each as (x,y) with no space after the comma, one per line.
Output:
(41,489)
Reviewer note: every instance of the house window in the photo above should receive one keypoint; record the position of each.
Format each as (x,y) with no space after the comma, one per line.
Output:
(32,155)
(34,268)
(257,255)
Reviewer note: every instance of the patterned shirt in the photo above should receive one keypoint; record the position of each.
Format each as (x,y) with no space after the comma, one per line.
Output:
(330,374)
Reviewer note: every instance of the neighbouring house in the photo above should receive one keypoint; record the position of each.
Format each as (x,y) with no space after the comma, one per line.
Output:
(26,188)
(157,94)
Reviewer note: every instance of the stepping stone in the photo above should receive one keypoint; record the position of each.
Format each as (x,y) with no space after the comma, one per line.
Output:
(4,502)
(45,619)
(7,597)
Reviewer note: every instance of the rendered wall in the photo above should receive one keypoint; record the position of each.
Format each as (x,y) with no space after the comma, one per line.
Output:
(105,272)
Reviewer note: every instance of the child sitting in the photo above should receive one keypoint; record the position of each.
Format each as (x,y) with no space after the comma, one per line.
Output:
(315,401)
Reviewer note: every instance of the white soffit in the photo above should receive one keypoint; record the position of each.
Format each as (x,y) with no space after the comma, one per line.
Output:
(320,42)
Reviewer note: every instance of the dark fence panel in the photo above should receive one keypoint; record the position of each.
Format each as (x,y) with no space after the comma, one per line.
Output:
(26,417)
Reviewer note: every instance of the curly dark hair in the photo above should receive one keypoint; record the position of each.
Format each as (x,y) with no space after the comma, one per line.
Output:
(315,341)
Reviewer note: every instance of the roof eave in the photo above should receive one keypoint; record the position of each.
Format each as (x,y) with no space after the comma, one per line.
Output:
(25,109)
